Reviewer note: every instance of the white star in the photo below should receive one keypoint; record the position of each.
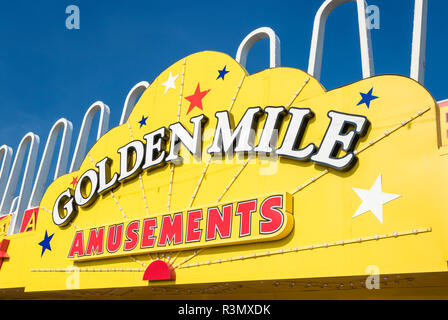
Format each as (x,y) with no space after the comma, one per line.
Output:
(373,200)
(169,84)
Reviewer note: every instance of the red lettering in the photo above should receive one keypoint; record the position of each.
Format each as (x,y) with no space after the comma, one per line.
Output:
(132,235)
(217,222)
(274,218)
(148,238)
(95,242)
(245,209)
(114,237)
(193,232)
(171,229)
(77,245)
(29,220)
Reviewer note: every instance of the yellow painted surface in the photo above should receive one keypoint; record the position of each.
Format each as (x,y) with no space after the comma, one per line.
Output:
(325,242)
(443,109)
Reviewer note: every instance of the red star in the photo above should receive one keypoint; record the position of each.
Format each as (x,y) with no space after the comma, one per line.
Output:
(74,181)
(3,248)
(196,98)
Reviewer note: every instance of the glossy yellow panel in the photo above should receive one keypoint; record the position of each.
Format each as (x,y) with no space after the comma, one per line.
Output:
(388,211)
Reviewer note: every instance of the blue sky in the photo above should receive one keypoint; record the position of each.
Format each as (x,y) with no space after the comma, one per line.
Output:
(49,72)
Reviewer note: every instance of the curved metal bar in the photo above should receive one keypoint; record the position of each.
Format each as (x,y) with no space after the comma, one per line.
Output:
(132,99)
(418,55)
(14,204)
(81,144)
(6,156)
(254,36)
(31,142)
(61,166)
(317,41)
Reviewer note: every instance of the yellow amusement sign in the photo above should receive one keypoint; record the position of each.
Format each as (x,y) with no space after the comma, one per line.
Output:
(218,176)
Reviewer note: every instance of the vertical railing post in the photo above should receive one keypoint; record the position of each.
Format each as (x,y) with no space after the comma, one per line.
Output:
(418,54)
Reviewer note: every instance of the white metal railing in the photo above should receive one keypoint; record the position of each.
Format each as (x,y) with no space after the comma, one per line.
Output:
(31,193)
(317,40)
(252,38)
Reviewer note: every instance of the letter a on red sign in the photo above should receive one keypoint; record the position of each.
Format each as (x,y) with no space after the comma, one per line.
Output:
(29,220)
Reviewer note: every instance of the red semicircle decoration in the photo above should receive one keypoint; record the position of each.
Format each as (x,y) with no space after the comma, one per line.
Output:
(159,270)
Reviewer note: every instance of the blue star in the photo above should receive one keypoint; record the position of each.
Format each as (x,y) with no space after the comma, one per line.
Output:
(366,98)
(143,121)
(46,243)
(222,73)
